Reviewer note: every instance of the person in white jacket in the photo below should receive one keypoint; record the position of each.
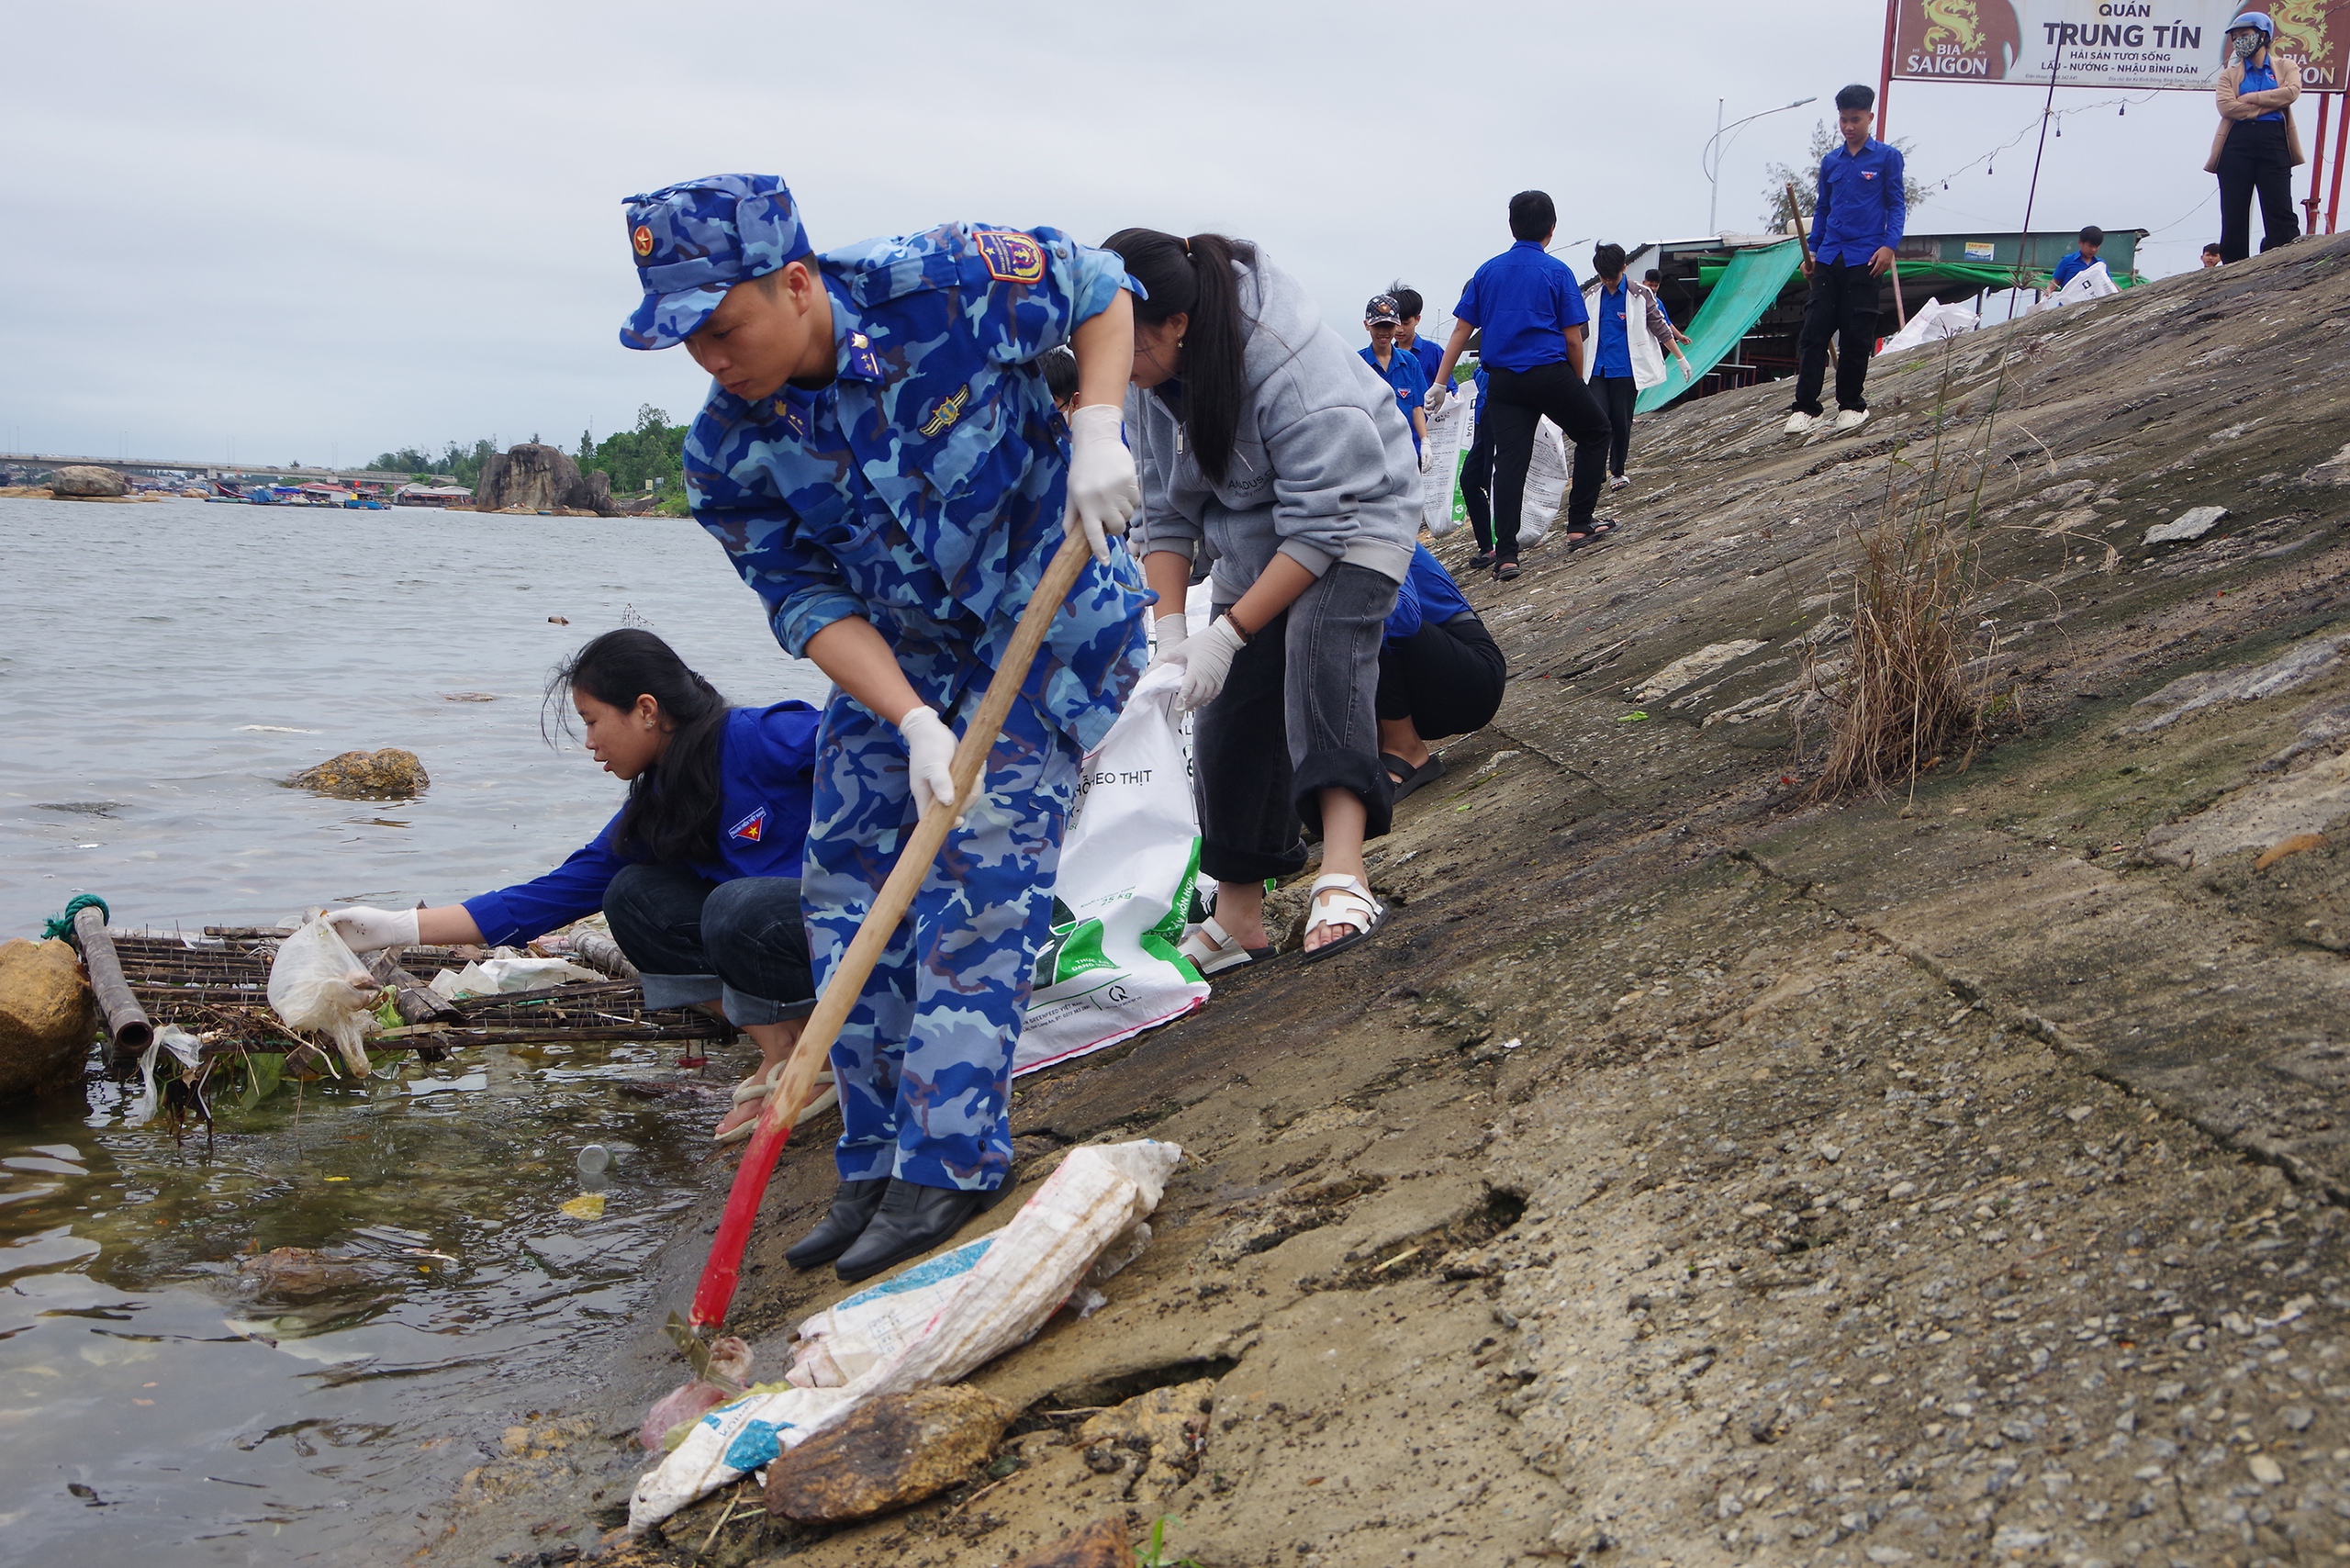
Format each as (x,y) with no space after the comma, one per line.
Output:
(1268,448)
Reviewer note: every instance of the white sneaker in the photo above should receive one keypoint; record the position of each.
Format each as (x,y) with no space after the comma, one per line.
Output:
(1848,420)
(1801,423)
(1618,481)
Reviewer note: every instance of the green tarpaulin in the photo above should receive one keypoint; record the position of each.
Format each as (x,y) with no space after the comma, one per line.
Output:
(1982,275)
(1741,291)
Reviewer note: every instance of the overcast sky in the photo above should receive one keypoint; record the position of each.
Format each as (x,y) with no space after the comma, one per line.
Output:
(312,232)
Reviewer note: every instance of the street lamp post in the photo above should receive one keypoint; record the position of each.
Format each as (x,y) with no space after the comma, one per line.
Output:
(1710,160)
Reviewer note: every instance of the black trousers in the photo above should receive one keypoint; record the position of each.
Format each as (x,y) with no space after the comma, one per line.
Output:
(1617,394)
(740,943)
(1477,482)
(1447,680)
(1521,400)
(1844,305)
(2255,159)
(1295,717)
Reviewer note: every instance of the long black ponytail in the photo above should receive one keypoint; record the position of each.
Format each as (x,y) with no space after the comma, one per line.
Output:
(1194,277)
(672,812)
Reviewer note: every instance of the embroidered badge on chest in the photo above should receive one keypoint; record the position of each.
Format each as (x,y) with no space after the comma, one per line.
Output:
(942,418)
(750,829)
(1011,257)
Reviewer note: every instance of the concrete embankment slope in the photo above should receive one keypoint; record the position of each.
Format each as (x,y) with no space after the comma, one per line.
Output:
(1693,1174)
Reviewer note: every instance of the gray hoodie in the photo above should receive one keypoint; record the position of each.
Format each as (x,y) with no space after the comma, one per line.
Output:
(1321,466)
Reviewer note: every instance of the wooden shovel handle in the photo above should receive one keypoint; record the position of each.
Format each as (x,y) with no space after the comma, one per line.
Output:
(721,1273)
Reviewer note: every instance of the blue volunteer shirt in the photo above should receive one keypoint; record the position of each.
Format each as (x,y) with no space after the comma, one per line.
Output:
(923,488)
(2260,79)
(1861,206)
(1614,351)
(1402,371)
(1428,597)
(1523,300)
(766,762)
(2072,267)
(1431,357)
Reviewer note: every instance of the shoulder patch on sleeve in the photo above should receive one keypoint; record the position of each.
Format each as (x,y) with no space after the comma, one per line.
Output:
(1010,256)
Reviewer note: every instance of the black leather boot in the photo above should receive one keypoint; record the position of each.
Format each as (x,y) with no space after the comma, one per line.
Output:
(910,1221)
(853,1208)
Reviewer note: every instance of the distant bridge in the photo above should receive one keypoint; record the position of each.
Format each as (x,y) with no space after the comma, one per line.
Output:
(210,468)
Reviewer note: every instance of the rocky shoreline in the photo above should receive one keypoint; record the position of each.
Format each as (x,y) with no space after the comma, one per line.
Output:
(1695,1173)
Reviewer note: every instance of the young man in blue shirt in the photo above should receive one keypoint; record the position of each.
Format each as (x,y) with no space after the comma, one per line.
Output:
(1856,226)
(2081,260)
(1409,306)
(1529,308)
(1398,368)
(1611,374)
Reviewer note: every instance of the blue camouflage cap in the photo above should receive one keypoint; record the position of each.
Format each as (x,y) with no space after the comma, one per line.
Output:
(695,241)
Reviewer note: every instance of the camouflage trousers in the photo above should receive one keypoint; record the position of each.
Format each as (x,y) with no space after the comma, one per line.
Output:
(925,1062)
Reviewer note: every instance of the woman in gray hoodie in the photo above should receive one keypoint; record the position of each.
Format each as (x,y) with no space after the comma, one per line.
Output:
(1276,461)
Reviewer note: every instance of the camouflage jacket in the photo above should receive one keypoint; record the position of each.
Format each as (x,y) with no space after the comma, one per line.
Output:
(923,489)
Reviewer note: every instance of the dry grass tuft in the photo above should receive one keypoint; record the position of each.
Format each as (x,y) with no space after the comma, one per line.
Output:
(1902,696)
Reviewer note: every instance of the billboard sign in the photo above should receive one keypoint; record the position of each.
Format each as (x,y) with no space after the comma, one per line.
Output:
(2129,44)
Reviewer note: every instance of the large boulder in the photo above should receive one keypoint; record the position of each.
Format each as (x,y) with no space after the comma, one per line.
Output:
(534,478)
(390,774)
(49,1017)
(87,482)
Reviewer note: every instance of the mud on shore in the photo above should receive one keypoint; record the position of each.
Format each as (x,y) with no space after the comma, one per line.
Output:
(1691,1173)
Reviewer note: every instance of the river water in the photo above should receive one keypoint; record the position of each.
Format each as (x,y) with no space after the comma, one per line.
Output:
(162,668)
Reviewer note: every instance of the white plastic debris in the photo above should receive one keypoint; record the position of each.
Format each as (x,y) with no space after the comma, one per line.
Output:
(495,977)
(317,982)
(1086,1209)
(185,1049)
(1935,321)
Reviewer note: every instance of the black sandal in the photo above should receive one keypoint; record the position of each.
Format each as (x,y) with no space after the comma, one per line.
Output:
(1482,560)
(1406,778)
(1506,571)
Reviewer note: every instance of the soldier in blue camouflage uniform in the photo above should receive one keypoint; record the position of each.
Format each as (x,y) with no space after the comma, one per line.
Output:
(886,468)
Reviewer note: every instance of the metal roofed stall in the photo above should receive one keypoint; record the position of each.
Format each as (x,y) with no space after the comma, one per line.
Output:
(1749,284)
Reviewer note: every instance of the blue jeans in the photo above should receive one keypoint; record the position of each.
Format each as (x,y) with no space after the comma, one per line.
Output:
(692,940)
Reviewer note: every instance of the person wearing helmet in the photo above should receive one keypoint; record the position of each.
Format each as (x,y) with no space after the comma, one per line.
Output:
(2258,146)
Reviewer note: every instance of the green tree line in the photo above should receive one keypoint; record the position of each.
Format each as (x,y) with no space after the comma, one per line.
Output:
(652,451)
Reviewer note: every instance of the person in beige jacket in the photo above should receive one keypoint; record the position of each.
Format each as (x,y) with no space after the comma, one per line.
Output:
(2258,146)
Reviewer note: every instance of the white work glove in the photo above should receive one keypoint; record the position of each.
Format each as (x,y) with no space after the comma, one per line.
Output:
(1428,457)
(1435,398)
(1102,489)
(365,930)
(1170,630)
(930,757)
(1206,660)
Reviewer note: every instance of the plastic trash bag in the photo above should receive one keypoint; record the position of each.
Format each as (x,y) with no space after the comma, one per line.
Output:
(1935,321)
(730,1372)
(185,1049)
(1450,430)
(495,977)
(1545,483)
(2092,282)
(317,982)
(1086,1210)
(1127,861)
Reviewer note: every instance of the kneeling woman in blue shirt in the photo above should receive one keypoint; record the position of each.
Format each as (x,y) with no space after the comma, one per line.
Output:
(698,875)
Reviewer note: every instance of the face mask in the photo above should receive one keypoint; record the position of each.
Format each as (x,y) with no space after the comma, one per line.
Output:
(2249,45)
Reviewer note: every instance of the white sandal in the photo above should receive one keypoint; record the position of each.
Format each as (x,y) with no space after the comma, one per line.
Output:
(760,1084)
(1213,949)
(1349,903)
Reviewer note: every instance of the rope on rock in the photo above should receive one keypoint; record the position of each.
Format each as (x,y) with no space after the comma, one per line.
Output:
(62,925)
